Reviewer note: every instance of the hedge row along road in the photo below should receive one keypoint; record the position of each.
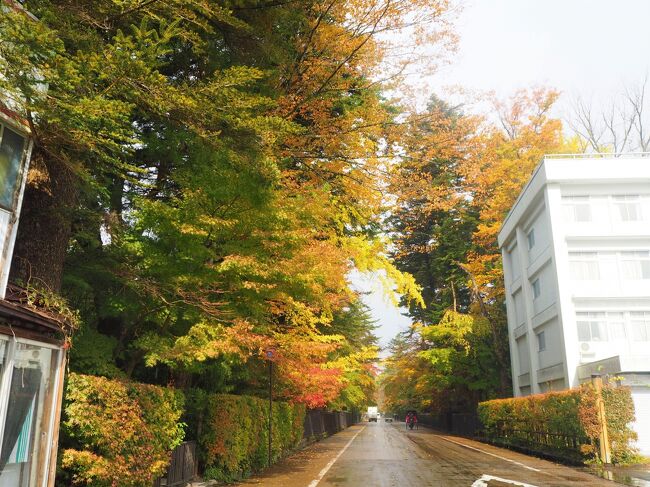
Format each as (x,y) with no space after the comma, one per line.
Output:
(386,455)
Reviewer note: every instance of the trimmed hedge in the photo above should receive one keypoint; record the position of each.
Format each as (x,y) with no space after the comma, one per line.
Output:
(232,432)
(118,433)
(562,424)
(619,412)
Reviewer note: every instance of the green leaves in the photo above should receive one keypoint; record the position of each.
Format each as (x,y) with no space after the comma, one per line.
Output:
(121,432)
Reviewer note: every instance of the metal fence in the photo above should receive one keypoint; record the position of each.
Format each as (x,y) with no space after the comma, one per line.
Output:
(554,445)
(183,466)
(462,424)
(320,423)
(465,424)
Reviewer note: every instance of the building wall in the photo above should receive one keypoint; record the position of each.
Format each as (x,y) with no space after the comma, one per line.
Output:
(578,300)
(641,398)
(606,228)
(531,298)
(576,252)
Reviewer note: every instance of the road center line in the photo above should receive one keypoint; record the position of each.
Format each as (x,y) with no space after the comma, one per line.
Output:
(325,469)
(488,453)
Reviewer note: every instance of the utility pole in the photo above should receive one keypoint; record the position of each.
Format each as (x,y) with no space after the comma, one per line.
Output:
(605,448)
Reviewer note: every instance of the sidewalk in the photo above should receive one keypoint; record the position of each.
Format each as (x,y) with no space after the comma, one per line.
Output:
(303,466)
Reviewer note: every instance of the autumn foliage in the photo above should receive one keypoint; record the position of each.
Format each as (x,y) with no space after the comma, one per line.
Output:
(205,177)
(458,178)
(233,432)
(118,433)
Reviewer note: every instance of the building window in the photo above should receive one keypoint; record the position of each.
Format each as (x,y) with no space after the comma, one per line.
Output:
(616,326)
(515,266)
(531,239)
(636,265)
(577,209)
(640,323)
(591,327)
(541,341)
(520,315)
(584,266)
(29,378)
(537,290)
(627,208)
(12,146)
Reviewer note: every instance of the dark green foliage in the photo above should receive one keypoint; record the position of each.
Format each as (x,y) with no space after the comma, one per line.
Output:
(232,432)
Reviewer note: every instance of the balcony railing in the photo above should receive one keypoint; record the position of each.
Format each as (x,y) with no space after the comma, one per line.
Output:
(599,155)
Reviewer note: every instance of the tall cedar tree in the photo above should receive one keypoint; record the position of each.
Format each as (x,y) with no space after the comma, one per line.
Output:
(454,185)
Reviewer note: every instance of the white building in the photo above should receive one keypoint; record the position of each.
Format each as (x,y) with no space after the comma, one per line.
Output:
(576,258)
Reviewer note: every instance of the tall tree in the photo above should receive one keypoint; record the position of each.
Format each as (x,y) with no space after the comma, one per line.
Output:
(455,184)
(206,175)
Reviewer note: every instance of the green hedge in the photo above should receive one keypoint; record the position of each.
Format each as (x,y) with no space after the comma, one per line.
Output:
(619,411)
(118,433)
(563,424)
(232,432)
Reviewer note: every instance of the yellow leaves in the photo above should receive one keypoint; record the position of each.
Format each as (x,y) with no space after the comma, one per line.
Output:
(451,331)
(371,256)
(187,229)
(497,174)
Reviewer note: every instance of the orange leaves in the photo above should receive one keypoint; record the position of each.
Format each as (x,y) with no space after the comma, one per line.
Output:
(498,173)
(332,89)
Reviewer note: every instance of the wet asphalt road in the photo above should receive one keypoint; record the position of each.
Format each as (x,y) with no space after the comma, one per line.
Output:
(385,455)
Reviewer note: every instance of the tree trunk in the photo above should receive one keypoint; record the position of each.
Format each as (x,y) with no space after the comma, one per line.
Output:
(45,224)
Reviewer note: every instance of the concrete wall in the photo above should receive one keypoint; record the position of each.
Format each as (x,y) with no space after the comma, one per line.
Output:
(578,290)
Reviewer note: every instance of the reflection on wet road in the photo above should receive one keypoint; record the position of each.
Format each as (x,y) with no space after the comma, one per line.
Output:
(387,455)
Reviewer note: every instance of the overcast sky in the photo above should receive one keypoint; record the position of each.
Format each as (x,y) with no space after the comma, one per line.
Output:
(590,48)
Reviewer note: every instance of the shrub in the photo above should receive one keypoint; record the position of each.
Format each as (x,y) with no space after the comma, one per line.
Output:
(619,411)
(232,432)
(563,423)
(121,432)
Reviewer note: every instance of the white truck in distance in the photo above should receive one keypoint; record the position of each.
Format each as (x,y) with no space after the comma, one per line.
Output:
(372,413)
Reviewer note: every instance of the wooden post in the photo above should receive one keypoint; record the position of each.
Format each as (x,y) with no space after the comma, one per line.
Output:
(270,409)
(605,447)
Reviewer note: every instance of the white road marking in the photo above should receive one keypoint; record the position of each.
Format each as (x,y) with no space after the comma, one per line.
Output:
(491,454)
(482,482)
(325,469)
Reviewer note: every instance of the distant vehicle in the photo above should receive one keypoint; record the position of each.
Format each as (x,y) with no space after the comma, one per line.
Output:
(373,414)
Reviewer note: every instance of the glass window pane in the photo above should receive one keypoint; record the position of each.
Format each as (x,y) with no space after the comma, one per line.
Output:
(645,269)
(583,331)
(631,269)
(531,239)
(598,331)
(11,153)
(29,411)
(640,323)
